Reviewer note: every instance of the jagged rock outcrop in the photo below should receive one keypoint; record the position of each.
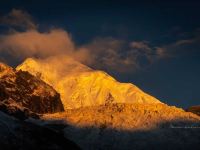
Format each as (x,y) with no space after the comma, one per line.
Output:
(81,86)
(129,126)
(23,92)
(194,109)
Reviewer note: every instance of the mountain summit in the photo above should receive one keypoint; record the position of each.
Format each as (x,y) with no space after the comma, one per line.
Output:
(81,86)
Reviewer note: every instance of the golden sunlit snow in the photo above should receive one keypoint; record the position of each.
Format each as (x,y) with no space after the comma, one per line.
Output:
(81,86)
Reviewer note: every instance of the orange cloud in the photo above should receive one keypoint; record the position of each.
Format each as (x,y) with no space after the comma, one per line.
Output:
(20,45)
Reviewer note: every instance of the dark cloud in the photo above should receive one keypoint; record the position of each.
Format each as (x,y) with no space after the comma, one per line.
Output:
(18,18)
(122,56)
(184,47)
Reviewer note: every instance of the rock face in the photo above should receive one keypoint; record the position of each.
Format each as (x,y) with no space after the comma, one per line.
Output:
(194,109)
(129,126)
(12,108)
(81,86)
(20,90)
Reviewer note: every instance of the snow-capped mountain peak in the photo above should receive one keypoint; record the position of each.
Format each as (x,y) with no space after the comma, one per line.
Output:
(81,86)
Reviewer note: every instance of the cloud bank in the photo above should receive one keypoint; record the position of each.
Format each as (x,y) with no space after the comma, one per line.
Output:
(32,43)
(101,53)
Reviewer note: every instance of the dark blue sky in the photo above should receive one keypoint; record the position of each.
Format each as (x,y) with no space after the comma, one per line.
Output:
(174,80)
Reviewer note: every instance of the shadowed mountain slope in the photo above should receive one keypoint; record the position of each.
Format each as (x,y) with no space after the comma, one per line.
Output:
(20,135)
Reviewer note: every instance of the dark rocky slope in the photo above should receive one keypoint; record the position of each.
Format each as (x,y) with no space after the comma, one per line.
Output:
(24,92)
(23,96)
(21,135)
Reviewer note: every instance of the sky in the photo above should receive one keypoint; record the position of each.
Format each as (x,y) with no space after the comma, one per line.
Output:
(152,44)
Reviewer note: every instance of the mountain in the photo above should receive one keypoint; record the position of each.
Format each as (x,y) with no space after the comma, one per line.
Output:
(82,86)
(23,94)
(102,113)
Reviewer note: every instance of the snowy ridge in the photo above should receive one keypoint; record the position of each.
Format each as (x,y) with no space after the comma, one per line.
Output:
(81,86)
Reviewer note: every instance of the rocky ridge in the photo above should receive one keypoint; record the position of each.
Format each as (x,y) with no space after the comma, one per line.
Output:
(123,116)
(24,92)
(128,126)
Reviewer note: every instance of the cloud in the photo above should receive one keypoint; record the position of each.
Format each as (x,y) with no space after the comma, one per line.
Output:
(122,56)
(32,43)
(183,47)
(144,49)
(109,53)
(140,45)
(161,52)
(101,53)
(183,42)
(18,18)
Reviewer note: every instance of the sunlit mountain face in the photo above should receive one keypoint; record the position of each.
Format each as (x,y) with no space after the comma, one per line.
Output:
(99,75)
(81,86)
